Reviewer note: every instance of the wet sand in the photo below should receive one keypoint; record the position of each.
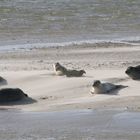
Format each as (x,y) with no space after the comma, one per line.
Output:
(70,125)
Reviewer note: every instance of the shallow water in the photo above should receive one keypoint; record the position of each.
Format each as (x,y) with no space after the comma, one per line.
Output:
(70,125)
(68,20)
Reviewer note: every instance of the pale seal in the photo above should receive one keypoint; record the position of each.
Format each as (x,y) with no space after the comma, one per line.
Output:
(133,72)
(102,88)
(75,73)
(59,69)
(11,94)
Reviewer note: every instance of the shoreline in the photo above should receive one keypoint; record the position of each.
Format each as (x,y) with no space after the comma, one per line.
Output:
(13,47)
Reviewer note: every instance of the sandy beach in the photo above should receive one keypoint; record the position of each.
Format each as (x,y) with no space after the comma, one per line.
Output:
(32,71)
(61,107)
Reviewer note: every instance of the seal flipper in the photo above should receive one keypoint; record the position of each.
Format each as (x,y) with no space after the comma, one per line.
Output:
(120,86)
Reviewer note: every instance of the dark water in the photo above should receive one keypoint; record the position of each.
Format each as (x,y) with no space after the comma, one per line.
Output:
(58,21)
(70,125)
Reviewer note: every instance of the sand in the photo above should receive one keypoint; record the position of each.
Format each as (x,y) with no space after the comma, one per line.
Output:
(32,71)
(70,125)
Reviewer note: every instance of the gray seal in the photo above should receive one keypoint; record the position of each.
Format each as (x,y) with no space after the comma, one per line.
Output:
(102,88)
(11,94)
(75,73)
(59,69)
(133,72)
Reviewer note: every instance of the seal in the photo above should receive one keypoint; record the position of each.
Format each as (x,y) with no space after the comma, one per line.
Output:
(75,73)
(103,88)
(133,72)
(11,95)
(59,69)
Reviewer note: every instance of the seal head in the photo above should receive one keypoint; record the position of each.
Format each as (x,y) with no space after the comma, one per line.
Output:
(59,69)
(133,72)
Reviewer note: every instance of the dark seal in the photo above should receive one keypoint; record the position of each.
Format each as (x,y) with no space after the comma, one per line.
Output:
(11,95)
(75,73)
(133,72)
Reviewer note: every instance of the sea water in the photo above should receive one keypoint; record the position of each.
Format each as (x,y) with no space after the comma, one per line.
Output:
(68,21)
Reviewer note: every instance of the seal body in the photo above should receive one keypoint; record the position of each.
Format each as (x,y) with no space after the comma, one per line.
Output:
(102,88)
(74,73)
(59,69)
(133,72)
(11,94)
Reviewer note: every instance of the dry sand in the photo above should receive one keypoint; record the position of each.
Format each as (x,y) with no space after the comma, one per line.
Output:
(32,71)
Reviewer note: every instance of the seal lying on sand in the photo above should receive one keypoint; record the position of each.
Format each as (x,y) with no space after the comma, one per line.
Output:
(102,88)
(133,72)
(74,73)
(11,94)
(59,69)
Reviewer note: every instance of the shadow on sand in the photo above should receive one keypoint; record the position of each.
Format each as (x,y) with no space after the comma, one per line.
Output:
(21,102)
(53,74)
(3,81)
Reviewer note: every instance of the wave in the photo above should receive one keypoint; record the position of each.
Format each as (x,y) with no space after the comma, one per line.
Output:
(96,43)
